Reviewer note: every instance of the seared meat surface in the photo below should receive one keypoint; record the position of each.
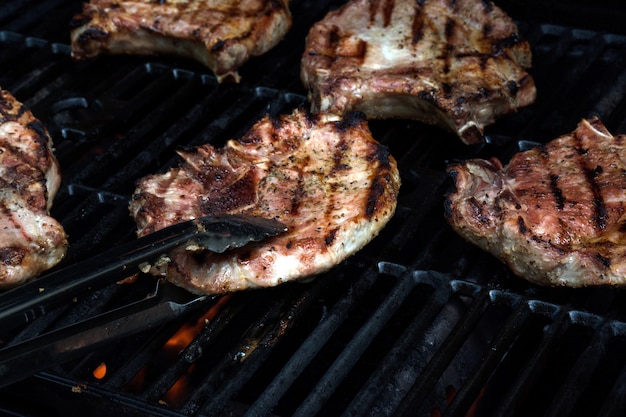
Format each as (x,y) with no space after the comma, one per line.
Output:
(457,64)
(220,34)
(555,214)
(30,240)
(323,176)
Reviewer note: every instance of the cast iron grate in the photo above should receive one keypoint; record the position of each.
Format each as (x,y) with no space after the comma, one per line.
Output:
(418,323)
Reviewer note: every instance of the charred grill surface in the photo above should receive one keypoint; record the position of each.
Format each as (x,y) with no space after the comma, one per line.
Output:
(419,322)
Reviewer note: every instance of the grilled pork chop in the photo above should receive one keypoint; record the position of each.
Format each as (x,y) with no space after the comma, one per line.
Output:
(30,240)
(221,34)
(459,64)
(324,177)
(556,214)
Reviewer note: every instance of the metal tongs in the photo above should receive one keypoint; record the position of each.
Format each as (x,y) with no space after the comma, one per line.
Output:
(24,304)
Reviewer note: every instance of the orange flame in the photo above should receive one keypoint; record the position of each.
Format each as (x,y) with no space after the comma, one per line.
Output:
(180,340)
(100,371)
(170,351)
(188,332)
(451,393)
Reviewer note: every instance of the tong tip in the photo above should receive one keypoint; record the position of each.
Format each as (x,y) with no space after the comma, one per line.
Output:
(236,230)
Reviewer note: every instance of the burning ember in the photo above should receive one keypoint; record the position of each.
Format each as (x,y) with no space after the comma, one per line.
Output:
(101,371)
(168,354)
(179,341)
(451,394)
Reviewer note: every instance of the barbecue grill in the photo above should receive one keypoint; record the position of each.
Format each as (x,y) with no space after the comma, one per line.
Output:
(419,323)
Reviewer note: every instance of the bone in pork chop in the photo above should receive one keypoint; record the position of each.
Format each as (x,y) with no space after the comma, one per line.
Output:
(220,34)
(458,64)
(324,177)
(555,214)
(30,240)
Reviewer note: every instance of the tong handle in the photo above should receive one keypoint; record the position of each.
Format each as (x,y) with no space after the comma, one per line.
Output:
(217,233)
(57,347)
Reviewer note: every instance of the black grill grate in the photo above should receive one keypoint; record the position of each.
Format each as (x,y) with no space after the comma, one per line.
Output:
(418,323)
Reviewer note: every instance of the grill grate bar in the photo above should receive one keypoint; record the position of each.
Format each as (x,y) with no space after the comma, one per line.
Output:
(94,174)
(310,347)
(373,388)
(201,343)
(32,83)
(615,403)
(35,21)
(525,379)
(478,380)
(239,364)
(102,220)
(578,378)
(354,350)
(444,356)
(145,357)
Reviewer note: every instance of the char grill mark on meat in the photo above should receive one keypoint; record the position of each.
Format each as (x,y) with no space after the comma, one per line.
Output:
(591,173)
(558,194)
(417,27)
(220,34)
(30,240)
(325,177)
(386,10)
(457,64)
(555,214)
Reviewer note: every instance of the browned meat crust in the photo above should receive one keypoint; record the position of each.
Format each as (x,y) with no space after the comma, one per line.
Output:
(220,34)
(555,213)
(459,64)
(30,240)
(327,179)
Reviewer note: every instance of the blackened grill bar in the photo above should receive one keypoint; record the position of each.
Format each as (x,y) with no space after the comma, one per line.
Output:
(418,323)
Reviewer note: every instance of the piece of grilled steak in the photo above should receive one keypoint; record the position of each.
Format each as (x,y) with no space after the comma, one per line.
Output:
(30,240)
(327,179)
(221,34)
(555,214)
(458,64)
